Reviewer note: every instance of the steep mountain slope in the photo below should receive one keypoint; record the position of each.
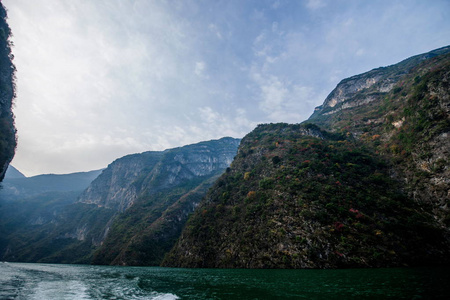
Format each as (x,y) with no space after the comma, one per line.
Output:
(115,188)
(159,199)
(50,227)
(12,172)
(7,94)
(360,90)
(372,190)
(410,125)
(25,187)
(140,201)
(38,214)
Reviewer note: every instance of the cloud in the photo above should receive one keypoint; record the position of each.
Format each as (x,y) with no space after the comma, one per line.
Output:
(213,28)
(284,100)
(315,4)
(273,92)
(200,69)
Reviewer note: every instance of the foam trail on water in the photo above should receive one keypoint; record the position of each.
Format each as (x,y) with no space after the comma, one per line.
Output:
(166,297)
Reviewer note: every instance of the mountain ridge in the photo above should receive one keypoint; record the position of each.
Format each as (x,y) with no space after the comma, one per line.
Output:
(155,189)
(12,172)
(373,194)
(160,201)
(381,80)
(362,183)
(24,187)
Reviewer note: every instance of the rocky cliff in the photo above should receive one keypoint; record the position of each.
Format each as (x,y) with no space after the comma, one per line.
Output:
(127,178)
(363,183)
(7,94)
(132,213)
(371,86)
(409,125)
(156,200)
(116,186)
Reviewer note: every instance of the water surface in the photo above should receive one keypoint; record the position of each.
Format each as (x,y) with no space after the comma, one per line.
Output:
(50,281)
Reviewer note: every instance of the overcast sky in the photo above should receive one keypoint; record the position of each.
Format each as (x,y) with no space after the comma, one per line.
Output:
(99,79)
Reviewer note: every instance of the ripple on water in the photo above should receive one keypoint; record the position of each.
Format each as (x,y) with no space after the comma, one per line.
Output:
(41,281)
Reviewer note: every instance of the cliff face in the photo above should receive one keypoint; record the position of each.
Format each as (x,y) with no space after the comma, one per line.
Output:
(127,178)
(158,199)
(115,187)
(368,87)
(369,189)
(409,126)
(131,213)
(7,94)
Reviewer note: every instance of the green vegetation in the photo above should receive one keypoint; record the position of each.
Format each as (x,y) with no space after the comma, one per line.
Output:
(371,190)
(362,183)
(293,200)
(50,227)
(7,94)
(168,192)
(131,214)
(147,230)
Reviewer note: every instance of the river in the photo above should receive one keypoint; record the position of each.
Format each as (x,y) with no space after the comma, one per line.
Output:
(52,281)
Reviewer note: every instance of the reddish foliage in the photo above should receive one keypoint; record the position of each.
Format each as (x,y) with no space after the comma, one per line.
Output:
(357,212)
(338,226)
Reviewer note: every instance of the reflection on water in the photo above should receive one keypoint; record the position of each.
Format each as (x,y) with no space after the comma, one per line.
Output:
(47,281)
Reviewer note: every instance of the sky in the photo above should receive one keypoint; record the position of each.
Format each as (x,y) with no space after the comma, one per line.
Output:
(100,79)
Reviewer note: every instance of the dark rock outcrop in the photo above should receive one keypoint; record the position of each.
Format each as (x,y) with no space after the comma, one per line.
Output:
(7,95)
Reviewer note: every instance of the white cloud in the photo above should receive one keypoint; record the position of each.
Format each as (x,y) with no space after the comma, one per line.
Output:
(274,93)
(213,28)
(315,4)
(208,116)
(284,100)
(200,69)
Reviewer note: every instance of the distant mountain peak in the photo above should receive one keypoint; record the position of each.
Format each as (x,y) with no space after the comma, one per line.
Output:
(12,172)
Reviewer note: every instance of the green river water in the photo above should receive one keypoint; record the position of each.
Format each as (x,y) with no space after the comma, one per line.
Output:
(51,281)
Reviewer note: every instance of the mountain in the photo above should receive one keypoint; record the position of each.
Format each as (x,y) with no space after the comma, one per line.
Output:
(36,213)
(16,187)
(12,172)
(362,183)
(130,214)
(39,213)
(408,124)
(49,227)
(7,95)
(360,90)
(155,198)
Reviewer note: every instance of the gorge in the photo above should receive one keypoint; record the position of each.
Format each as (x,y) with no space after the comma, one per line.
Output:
(364,182)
